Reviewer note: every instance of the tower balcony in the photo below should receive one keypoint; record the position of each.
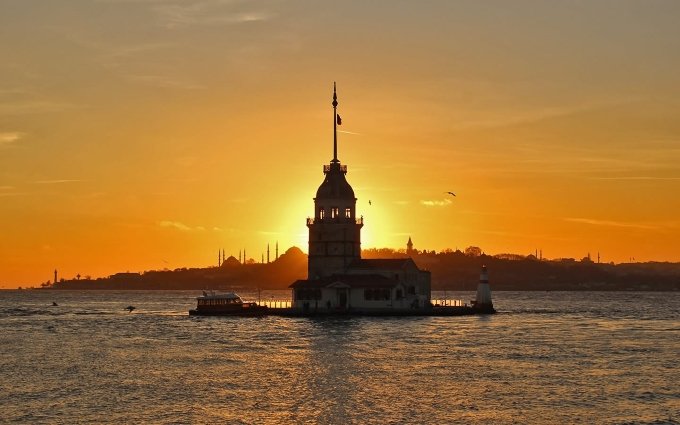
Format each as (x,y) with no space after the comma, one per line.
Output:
(311,220)
(327,168)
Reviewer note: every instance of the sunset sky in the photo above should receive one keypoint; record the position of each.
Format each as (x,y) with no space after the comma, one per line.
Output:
(145,134)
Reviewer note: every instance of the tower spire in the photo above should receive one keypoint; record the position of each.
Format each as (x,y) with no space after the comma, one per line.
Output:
(335,125)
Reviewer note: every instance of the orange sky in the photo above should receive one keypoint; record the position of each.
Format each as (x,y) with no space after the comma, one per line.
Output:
(143,134)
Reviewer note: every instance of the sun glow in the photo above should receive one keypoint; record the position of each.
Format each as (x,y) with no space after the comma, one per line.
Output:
(145,149)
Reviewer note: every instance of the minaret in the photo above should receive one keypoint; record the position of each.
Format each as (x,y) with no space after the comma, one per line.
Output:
(219,258)
(267,253)
(483,302)
(277,250)
(334,232)
(409,246)
(239,256)
(55,275)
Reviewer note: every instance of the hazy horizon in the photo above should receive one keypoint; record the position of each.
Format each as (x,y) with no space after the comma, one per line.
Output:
(143,134)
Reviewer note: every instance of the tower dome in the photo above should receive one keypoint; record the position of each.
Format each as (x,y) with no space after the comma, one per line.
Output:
(335,185)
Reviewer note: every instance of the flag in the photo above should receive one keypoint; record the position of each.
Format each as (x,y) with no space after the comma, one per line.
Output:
(339,119)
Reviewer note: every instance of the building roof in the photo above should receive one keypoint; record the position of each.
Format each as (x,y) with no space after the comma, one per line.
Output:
(351,281)
(380,263)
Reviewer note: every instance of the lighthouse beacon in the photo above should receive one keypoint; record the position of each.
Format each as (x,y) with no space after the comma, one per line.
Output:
(483,301)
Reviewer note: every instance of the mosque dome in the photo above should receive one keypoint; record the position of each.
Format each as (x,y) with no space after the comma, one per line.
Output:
(231,262)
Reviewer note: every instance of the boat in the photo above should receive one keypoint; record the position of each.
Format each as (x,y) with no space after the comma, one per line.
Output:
(226,304)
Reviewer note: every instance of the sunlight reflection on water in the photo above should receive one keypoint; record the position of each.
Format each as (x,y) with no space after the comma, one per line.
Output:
(556,358)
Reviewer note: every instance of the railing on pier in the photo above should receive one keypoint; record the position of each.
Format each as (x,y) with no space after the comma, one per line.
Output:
(445,302)
(276,303)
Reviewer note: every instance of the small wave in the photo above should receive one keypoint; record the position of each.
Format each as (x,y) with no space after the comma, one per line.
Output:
(668,421)
(94,313)
(23,311)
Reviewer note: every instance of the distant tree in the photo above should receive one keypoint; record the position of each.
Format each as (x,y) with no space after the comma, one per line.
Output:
(513,257)
(382,253)
(473,251)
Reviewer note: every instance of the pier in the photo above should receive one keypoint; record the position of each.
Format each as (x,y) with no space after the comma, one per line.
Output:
(438,307)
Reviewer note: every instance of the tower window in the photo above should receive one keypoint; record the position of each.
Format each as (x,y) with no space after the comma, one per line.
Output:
(334,212)
(348,213)
(322,213)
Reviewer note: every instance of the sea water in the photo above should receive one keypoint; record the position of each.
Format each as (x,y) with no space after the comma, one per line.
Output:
(545,358)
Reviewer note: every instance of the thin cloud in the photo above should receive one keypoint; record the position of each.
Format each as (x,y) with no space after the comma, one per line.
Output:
(8,191)
(636,178)
(219,229)
(436,203)
(183,227)
(8,138)
(33,107)
(609,223)
(175,225)
(207,12)
(545,113)
(350,132)
(164,82)
(59,181)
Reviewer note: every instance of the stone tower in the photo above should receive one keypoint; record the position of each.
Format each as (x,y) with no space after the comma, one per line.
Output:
(334,232)
(409,246)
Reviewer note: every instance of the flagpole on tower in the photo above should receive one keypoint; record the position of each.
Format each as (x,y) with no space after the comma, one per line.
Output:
(335,125)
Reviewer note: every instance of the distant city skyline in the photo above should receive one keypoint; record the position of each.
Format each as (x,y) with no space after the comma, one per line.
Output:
(138,134)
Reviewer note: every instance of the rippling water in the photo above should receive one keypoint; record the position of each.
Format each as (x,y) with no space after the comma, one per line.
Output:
(547,357)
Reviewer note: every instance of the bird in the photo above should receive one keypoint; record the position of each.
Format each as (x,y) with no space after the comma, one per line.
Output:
(129,308)
(54,304)
(369,202)
(451,193)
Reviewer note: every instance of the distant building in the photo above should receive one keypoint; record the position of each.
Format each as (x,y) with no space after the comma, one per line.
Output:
(230,262)
(409,247)
(338,278)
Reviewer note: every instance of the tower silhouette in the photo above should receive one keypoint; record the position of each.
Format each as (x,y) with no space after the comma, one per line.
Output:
(334,232)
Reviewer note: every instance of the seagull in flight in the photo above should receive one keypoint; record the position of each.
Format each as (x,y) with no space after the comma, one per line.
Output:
(451,193)
(369,202)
